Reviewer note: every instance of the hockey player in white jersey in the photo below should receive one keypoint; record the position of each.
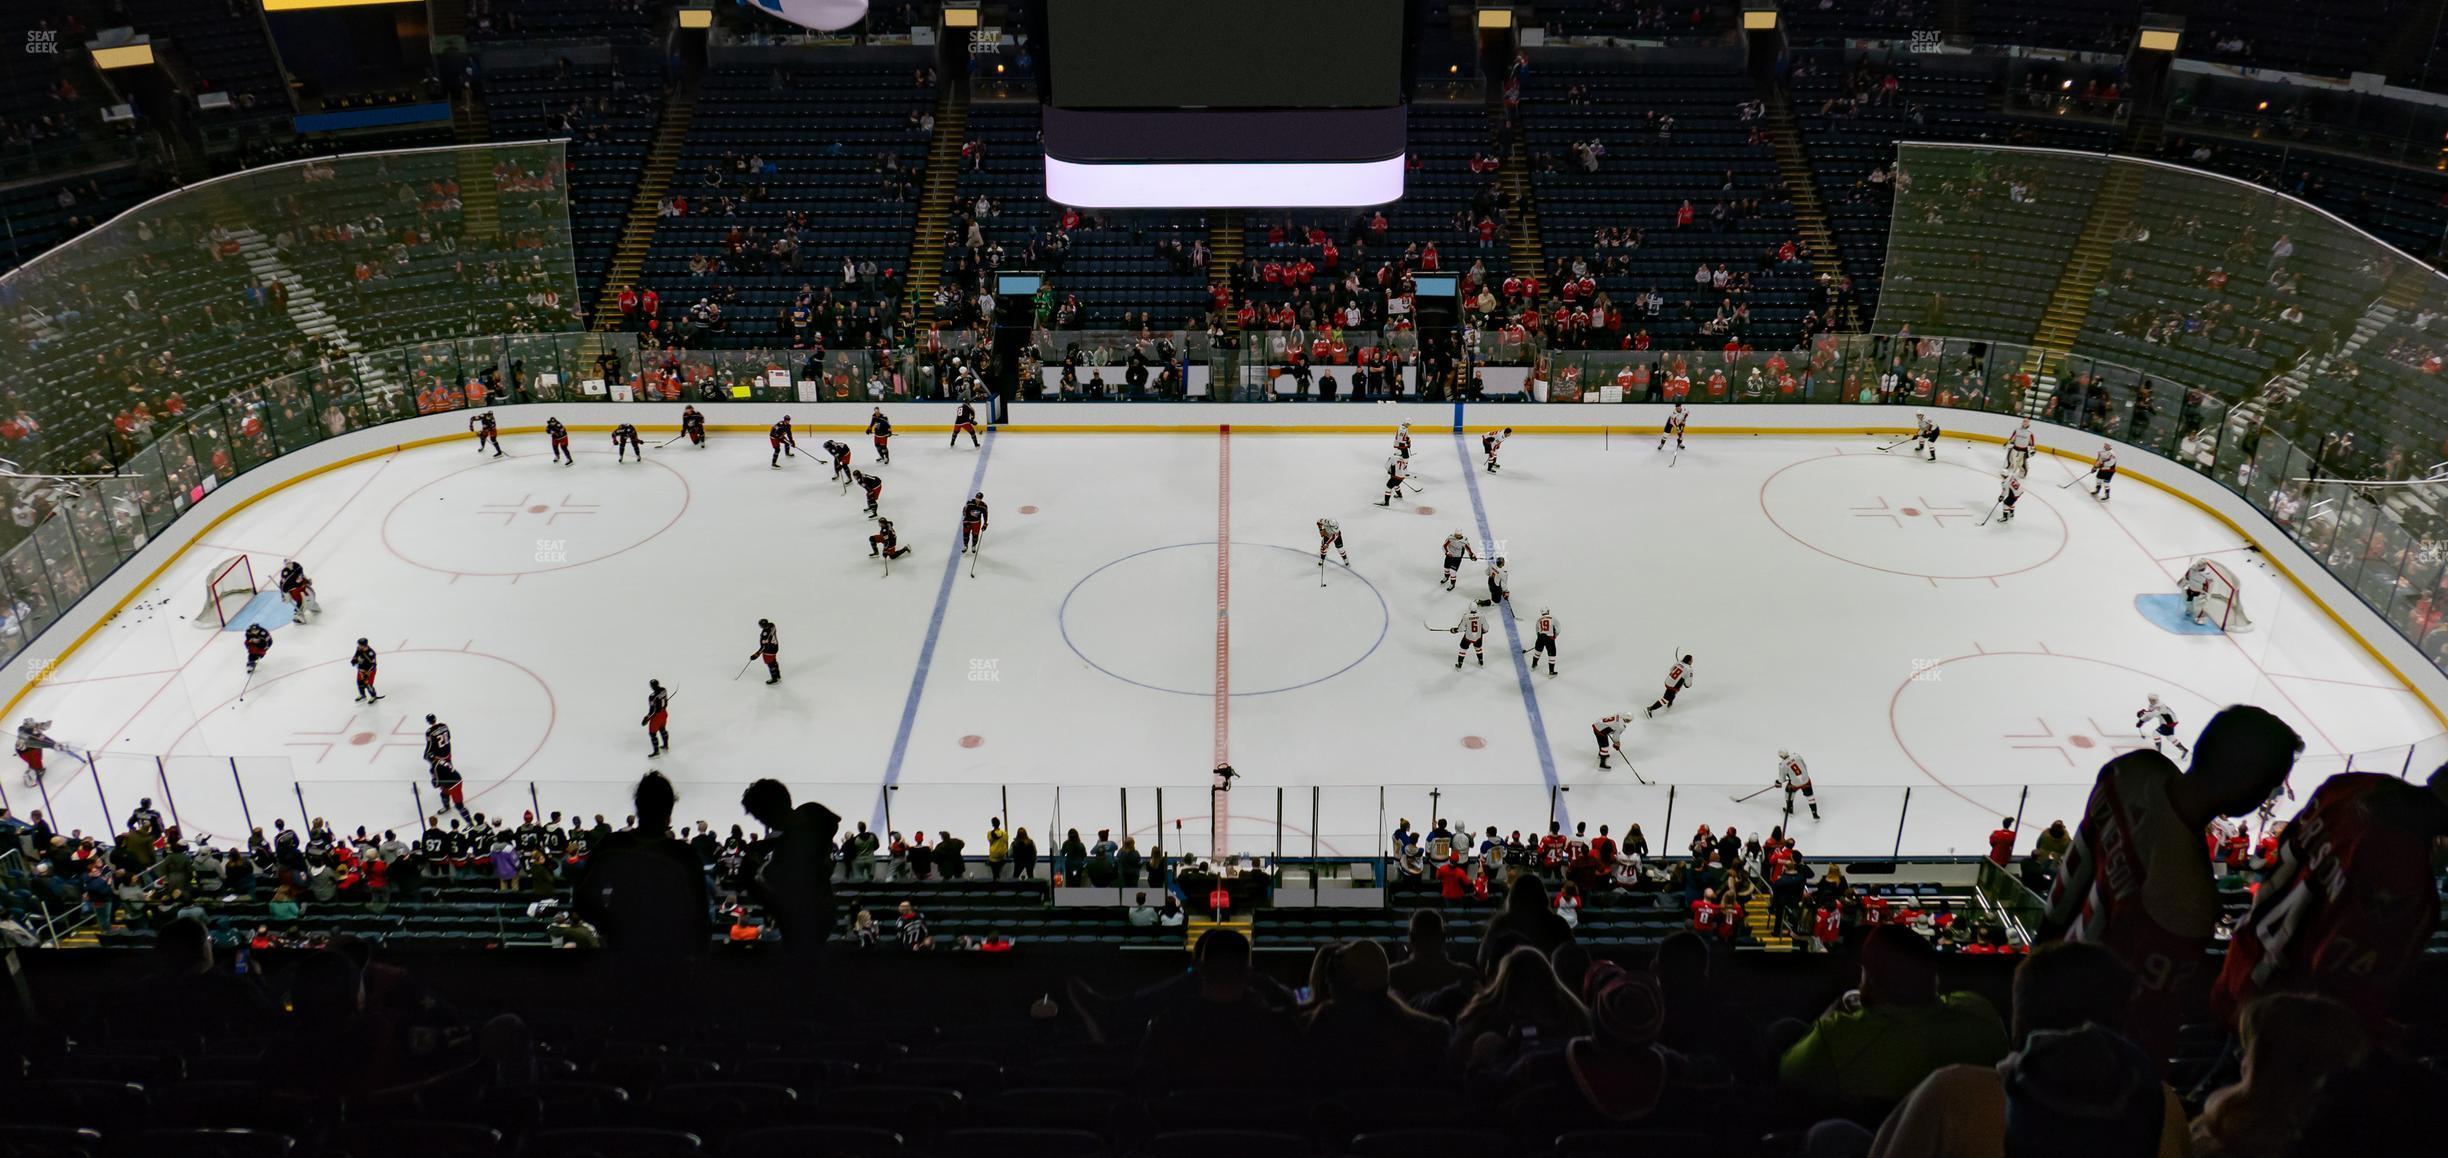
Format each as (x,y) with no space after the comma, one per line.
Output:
(1402,441)
(1678,677)
(1676,420)
(1793,776)
(1330,534)
(1473,630)
(1544,642)
(1492,442)
(1398,469)
(1925,436)
(1499,585)
(2019,447)
(1457,548)
(2010,492)
(1609,730)
(2103,472)
(2158,721)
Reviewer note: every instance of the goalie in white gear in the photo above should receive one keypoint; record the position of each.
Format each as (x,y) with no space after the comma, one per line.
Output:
(2019,447)
(1457,548)
(1794,776)
(2158,721)
(1473,630)
(2196,587)
(1544,643)
(1398,469)
(1609,730)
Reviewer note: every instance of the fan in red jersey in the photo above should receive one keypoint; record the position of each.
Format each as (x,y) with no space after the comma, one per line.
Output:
(2350,900)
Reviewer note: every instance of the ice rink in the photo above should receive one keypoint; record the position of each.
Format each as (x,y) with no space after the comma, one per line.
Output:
(1842,602)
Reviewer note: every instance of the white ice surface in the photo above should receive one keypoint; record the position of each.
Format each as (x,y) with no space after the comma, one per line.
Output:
(527,604)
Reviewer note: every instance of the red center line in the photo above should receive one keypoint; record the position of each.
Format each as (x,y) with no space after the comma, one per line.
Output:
(1223,624)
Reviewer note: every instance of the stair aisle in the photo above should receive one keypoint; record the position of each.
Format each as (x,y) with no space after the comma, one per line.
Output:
(943,165)
(638,229)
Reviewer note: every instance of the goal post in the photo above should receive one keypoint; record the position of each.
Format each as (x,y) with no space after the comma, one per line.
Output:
(227,588)
(2223,602)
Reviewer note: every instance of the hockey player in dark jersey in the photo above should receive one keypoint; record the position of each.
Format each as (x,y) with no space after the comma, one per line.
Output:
(839,451)
(973,522)
(624,440)
(692,425)
(872,486)
(558,435)
(364,661)
(657,720)
(782,441)
(258,641)
(297,589)
(881,428)
(769,649)
(448,782)
(885,542)
(964,420)
(488,430)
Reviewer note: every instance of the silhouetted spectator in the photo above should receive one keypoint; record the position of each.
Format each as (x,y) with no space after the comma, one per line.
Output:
(1428,968)
(795,884)
(645,890)
(1362,1027)
(1225,1036)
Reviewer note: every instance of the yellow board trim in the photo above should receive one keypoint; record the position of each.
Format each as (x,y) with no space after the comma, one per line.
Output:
(2439,716)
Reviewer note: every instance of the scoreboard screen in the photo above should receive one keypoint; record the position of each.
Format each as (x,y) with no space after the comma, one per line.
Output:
(1248,54)
(1189,103)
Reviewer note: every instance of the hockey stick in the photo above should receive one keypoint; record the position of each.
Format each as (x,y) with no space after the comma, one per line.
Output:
(1892,445)
(242,688)
(743,669)
(1321,569)
(1745,798)
(1993,510)
(1636,775)
(674,438)
(2071,481)
(975,549)
(1674,458)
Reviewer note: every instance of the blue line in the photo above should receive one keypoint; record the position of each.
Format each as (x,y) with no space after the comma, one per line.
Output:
(1504,610)
(926,651)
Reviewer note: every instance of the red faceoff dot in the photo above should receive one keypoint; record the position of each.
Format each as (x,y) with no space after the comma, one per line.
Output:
(2081,741)
(972,741)
(362,738)
(1909,512)
(538,509)
(1473,742)
(1028,510)
(1425,510)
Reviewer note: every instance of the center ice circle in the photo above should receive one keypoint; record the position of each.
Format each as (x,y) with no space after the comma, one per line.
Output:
(1148,619)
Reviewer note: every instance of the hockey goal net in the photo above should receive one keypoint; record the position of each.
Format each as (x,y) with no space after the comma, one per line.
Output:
(226,592)
(2222,600)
